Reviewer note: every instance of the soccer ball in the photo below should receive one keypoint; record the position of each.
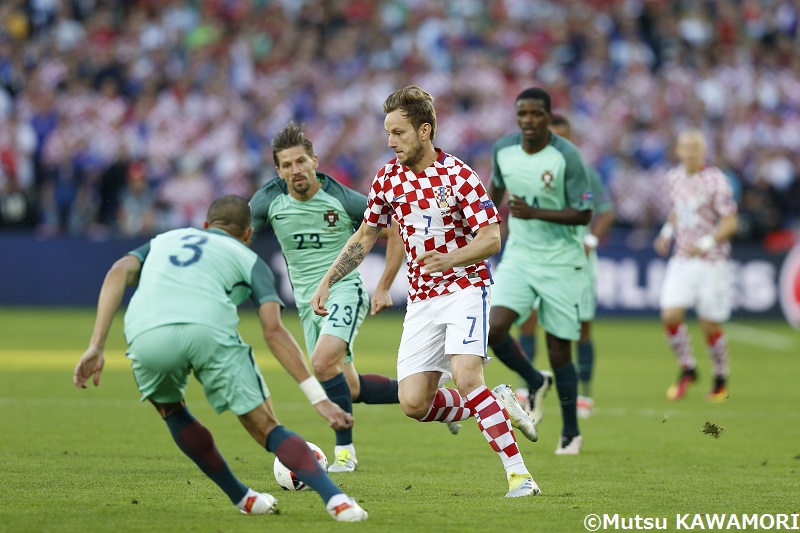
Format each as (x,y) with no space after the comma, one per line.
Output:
(286,478)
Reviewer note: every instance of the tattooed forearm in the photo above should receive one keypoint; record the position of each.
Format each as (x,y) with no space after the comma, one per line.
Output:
(348,260)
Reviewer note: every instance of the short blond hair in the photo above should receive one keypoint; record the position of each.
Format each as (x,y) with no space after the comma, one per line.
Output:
(416,105)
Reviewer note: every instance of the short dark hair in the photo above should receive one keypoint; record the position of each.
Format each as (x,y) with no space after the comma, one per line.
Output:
(291,135)
(230,212)
(536,93)
(416,105)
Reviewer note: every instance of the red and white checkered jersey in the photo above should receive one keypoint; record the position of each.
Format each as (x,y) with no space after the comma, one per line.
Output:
(439,209)
(699,200)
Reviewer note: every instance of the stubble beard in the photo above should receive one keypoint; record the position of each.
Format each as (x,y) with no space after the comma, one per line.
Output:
(415,156)
(301,188)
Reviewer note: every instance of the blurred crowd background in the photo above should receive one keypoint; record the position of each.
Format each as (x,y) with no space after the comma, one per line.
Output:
(125,118)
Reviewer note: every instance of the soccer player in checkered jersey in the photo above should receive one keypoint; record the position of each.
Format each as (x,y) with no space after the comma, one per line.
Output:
(544,262)
(313,215)
(449,227)
(703,219)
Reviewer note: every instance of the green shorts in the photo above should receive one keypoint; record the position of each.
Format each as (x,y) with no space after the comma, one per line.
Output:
(347,307)
(557,292)
(162,359)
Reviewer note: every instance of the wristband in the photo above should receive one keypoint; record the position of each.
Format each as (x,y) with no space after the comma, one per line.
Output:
(705,243)
(313,390)
(667,231)
(591,241)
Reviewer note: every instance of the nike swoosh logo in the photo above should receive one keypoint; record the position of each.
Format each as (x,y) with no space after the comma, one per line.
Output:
(398,197)
(465,341)
(278,217)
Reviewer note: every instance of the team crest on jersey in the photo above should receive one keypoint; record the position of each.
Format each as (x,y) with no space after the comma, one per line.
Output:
(547,178)
(331,216)
(442,195)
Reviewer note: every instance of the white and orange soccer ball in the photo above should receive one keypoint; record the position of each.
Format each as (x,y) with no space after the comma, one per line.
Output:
(286,478)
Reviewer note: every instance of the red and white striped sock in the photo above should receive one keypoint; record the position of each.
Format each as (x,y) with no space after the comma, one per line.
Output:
(496,428)
(718,350)
(447,406)
(678,338)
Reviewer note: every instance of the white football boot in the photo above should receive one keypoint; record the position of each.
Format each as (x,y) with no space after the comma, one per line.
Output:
(519,418)
(347,512)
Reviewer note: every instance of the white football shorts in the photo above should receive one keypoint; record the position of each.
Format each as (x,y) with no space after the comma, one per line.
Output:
(700,284)
(434,329)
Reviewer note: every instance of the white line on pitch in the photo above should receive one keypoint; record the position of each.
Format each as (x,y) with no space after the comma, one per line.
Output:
(760,337)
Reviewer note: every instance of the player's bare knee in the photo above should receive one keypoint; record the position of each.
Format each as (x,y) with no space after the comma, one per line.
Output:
(325,367)
(319,366)
(415,411)
(710,328)
(415,406)
(467,378)
(671,317)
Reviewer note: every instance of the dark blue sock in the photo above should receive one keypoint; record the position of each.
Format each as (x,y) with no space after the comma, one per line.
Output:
(567,387)
(293,451)
(338,392)
(510,353)
(377,389)
(196,441)
(585,366)
(528,345)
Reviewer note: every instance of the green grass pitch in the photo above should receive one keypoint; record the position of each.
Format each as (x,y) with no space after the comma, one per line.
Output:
(99,460)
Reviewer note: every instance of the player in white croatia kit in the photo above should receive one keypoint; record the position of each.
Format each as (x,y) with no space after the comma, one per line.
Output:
(703,219)
(449,227)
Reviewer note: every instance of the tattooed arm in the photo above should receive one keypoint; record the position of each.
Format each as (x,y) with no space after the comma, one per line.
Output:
(351,256)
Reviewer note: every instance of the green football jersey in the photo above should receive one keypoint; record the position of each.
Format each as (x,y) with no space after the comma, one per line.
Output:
(194,276)
(311,233)
(553,178)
